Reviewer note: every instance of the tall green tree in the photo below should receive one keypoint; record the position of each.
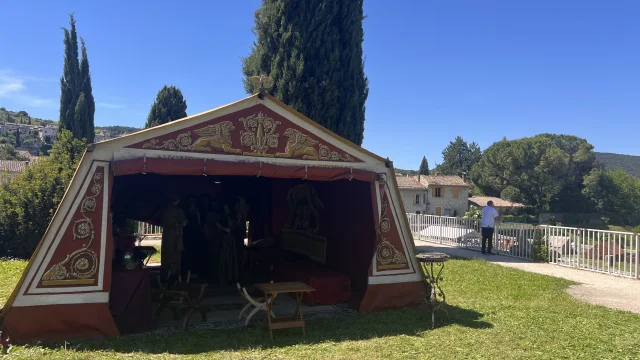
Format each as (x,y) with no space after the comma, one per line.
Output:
(312,50)
(459,157)
(169,105)
(75,82)
(612,192)
(29,200)
(424,167)
(545,171)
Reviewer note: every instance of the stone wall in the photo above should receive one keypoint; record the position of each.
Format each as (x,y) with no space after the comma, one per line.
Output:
(457,206)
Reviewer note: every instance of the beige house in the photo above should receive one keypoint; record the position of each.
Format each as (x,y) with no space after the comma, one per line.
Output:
(414,194)
(499,204)
(434,195)
(447,195)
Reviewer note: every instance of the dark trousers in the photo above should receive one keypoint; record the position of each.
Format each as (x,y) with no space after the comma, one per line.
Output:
(487,234)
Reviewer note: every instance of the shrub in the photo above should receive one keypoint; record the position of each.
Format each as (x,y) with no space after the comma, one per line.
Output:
(28,202)
(540,251)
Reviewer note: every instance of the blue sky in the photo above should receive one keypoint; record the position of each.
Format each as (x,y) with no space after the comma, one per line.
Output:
(437,69)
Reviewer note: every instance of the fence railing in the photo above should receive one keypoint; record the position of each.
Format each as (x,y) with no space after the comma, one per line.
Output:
(611,252)
(149,229)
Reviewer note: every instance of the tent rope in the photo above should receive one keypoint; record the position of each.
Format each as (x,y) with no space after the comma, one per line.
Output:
(351,178)
(305,172)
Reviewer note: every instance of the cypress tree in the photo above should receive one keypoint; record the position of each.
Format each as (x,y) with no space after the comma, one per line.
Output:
(88,120)
(75,84)
(169,105)
(424,167)
(312,50)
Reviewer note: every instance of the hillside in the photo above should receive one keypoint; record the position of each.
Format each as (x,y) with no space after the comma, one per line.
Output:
(630,163)
(21,117)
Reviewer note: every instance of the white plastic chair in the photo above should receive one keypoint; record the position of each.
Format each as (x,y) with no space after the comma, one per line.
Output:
(258,304)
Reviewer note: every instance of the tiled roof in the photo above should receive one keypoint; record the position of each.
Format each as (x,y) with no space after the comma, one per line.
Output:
(442,180)
(13,166)
(409,183)
(481,201)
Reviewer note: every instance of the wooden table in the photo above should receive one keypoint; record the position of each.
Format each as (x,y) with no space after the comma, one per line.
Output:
(271,290)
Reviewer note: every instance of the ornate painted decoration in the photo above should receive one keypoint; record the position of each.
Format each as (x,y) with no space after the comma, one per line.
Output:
(81,265)
(387,256)
(260,135)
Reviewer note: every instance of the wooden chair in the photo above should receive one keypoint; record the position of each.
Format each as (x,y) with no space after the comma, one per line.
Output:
(183,296)
(257,303)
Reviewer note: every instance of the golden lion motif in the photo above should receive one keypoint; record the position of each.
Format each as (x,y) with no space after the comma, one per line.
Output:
(215,137)
(299,145)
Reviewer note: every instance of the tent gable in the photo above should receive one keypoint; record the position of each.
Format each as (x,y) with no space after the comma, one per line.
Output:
(256,131)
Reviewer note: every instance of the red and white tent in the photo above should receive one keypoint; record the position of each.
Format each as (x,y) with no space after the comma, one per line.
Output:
(64,291)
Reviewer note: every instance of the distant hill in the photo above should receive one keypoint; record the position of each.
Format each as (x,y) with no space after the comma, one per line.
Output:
(116,131)
(630,163)
(21,117)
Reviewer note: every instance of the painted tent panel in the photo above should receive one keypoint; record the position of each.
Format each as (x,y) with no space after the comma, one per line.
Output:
(254,131)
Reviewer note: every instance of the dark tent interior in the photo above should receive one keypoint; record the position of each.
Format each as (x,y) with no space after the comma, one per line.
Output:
(319,232)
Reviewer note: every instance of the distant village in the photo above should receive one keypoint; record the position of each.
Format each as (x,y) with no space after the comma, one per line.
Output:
(33,137)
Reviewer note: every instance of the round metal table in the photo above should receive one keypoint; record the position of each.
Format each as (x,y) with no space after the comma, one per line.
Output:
(432,264)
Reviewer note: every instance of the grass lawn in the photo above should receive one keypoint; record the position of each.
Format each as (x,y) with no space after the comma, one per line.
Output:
(155,258)
(494,312)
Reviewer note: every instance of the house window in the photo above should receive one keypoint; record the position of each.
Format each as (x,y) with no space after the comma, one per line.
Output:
(417,212)
(437,192)
(447,212)
(417,199)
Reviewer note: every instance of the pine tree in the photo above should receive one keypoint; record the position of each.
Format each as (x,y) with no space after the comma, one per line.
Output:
(75,84)
(169,105)
(312,50)
(424,167)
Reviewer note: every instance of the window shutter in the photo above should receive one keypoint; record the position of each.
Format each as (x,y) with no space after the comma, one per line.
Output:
(433,192)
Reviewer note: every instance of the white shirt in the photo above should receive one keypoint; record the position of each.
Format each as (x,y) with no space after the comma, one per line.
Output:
(489,215)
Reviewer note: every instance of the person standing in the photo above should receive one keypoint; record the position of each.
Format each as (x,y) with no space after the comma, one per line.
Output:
(489,217)
(173,220)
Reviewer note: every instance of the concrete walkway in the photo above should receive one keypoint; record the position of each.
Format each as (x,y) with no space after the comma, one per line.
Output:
(595,288)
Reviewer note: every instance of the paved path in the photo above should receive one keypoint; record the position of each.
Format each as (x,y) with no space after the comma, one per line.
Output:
(595,288)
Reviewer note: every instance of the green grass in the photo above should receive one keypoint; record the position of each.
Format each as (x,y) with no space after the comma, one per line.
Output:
(155,258)
(494,313)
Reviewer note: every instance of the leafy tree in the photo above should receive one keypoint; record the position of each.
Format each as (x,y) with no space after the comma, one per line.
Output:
(77,106)
(545,170)
(169,105)
(22,113)
(612,192)
(424,167)
(474,212)
(459,157)
(10,119)
(312,50)
(28,202)
(8,152)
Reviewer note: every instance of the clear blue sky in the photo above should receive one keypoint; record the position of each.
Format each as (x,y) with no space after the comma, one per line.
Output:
(437,69)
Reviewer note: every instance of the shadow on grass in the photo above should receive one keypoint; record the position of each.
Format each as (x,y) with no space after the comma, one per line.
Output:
(408,322)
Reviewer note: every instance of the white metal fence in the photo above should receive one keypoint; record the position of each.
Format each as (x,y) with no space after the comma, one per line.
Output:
(611,252)
(149,229)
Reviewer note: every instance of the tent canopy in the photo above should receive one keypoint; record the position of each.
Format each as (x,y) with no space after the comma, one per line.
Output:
(64,290)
